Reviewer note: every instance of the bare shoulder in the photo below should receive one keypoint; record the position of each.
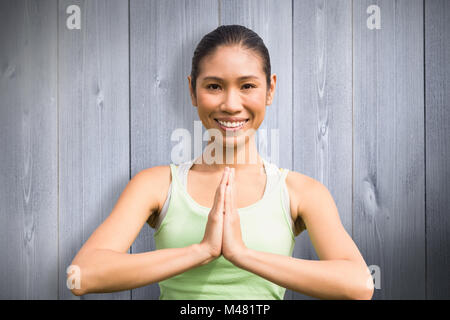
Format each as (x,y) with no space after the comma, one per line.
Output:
(158,179)
(299,185)
(309,197)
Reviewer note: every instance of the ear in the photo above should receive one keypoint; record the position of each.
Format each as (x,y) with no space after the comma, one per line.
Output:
(271,91)
(193,99)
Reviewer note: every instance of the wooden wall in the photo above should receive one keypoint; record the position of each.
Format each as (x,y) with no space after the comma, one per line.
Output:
(364,111)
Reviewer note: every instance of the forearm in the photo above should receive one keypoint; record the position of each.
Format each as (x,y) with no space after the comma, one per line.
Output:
(324,279)
(109,271)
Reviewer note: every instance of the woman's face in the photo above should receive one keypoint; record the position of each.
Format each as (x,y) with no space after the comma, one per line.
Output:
(224,94)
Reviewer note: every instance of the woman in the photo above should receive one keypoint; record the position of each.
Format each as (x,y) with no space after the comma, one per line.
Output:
(225,229)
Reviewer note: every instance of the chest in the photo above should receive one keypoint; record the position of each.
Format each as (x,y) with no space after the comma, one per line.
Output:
(203,187)
(263,228)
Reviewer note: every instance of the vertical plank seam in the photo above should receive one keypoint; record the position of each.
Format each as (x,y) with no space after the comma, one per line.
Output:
(353,126)
(57,145)
(425,144)
(292,84)
(291,295)
(129,110)
(220,10)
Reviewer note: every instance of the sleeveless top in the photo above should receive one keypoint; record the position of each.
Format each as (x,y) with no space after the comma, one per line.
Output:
(266,225)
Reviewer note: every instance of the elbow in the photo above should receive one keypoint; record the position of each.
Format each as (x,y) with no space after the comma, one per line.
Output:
(362,288)
(74,280)
(364,294)
(77,292)
(368,286)
(370,294)
(364,291)
(369,289)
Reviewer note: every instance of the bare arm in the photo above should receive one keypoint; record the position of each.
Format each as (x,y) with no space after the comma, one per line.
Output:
(325,279)
(104,270)
(341,272)
(104,264)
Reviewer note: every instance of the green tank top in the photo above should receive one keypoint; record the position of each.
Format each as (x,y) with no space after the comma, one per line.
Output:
(264,227)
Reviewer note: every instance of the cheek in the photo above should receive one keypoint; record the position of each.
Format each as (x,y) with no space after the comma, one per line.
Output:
(257,104)
(257,100)
(207,100)
(205,105)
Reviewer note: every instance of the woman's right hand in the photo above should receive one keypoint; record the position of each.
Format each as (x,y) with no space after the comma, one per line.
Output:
(212,240)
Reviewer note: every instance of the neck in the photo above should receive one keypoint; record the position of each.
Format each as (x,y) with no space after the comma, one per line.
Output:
(241,157)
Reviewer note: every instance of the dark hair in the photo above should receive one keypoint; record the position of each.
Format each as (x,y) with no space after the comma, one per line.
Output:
(229,35)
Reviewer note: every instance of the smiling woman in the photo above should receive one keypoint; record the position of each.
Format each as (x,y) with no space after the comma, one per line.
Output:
(231,85)
(227,227)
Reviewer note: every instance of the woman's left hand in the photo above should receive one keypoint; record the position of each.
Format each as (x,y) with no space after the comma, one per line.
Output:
(232,244)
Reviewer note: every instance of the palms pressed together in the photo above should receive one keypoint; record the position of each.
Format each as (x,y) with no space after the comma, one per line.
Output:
(223,234)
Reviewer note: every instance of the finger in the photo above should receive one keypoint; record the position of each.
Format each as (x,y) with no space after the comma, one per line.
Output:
(229,175)
(232,193)
(231,178)
(228,200)
(224,176)
(230,187)
(223,181)
(220,192)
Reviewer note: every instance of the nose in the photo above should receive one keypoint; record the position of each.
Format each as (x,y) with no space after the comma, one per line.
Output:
(232,102)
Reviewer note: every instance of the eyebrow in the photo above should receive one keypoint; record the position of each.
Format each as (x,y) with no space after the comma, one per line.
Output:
(220,79)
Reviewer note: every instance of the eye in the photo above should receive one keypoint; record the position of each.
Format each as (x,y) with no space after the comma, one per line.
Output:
(249,84)
(212,84)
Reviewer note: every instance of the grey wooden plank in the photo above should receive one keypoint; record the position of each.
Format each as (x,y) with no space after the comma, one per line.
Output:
(93,125)
(322,118)
(437,101)
(28,150)
(163,36)
(389,190)
(272,21)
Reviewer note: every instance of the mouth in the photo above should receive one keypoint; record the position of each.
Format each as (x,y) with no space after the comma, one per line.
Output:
(231,126)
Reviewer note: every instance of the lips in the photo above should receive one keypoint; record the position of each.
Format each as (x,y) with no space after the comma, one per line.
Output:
(231,119)
(230,128)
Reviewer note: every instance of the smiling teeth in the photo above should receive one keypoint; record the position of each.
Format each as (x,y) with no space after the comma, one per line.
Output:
(231,124)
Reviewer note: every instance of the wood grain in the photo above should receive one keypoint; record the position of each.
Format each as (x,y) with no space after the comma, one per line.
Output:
(28,150)
(322,100)
(388,157)
(437,89)
(93,125)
